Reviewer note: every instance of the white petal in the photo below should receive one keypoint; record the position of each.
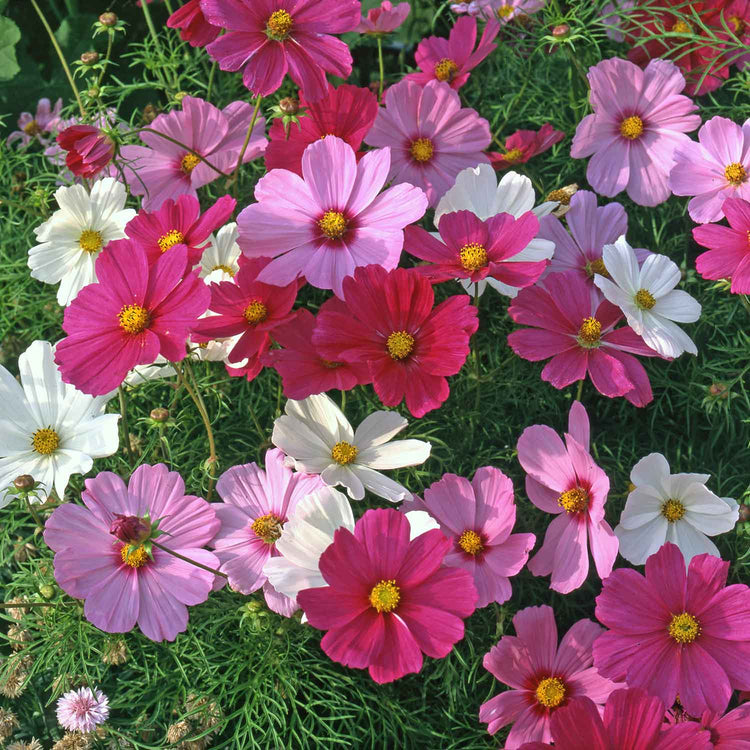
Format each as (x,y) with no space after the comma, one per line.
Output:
(295,438)
(42,383)
(637,545)
(712,524)
(679,306)
(323,417)
(474,190)
(640,508)
(347,476)
(381,485)
(420,521)
(665,337)
(378,428)
(394,455)
(514,195)
(289,579)
(614,294)
(652,470)
(622,265)
(659,275)
(690,541)
(96,438)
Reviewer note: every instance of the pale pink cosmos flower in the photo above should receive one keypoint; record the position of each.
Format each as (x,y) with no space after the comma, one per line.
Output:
(83,709)
(639,119)
(384,19)
(431,137)
(507,10)
(563,479)
(37,126)
(334,220)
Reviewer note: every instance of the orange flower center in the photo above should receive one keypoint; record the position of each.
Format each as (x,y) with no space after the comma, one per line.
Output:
(644,299)
(631,127)
(267,527)
(422,150)
(550,692)
(735,173)
(45,441)
(684,628)
(400,344)
(134,319)
(189,163)
(574,500)
(256,312)
(470,542)
(513,156)
(597,266)
(279,25)
(225,269)
(90,241)
(32,128)
(590,333)
(135,558)
(473,256)
(446,70)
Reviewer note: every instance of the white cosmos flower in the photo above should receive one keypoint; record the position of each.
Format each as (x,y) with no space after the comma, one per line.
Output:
(676,508)
(477,190)
(47,428)
(647,296)
(72,238)
(222,254)
(318,439)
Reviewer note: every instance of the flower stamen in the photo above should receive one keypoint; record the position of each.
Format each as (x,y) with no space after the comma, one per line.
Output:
(400,344)
(684,628)
(597,266)
(446,70)
(735,173)
(279,25)
(644,299)
(550,692)
(422,150)
(470,542)
(134,319)
(513,156)
(189,163)
(590,333)
(32,128)
(333,224)
(385,596)
(574,500)
(631,127)
(344,453)
(224,268)
(90,241)
(267,527)
(135,558)
(45,441)
(256,312)
(170,239)
(673,510)
(473,256)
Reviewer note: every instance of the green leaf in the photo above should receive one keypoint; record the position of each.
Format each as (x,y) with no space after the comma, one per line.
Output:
(9,36)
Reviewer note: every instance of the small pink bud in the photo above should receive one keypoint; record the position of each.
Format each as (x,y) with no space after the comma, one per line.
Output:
(561,31)
(130,529)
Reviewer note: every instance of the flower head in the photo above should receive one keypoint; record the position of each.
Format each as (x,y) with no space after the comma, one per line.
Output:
(89,149)
(37,126)
(221,253)
(194,28)
(383,19)
(82,710)
(506,11)
(524,145)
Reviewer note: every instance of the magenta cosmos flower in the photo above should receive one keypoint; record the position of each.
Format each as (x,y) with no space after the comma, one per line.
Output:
(452,59)
(256,506)
(384,19)
(194,28)
(562,478)
(728,256)
(390,325)
(430,136)
(89,149)
(134,312)
(524,145)
(632,720)
(577,330)
(473,249)
(163,169)
(268,38)
(715,168)
(388,599)
(639,119)
(121,582)
(347,112)
(478,518)
(324,226)
(676,633)
(731,731)
(543,676)
(82,710)
(37,126)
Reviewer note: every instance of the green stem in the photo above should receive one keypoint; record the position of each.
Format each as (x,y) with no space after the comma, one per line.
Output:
(155,38)
(182,145)
(580,390)
(169,7)
(382,68)
(188,560)
(210,81)
(23,605)
(37,520)
(248,135)
(110,37)
(125,428)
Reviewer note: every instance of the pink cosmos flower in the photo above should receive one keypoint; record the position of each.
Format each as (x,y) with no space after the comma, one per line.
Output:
(431,137)
(385,19)
(388,600)
(577,330)
(632,720)
(451,59)
(639,119)
(37,126)
(82,710)
(390,324)
(543,676)
(162,169)
(714,169)
(267,38)
(194,28)
(134,312)
(729,253)
(89,149)
(524,145)
(478,517)
(256,506)
(562,478)
(674,632)
(303,371)
(178,223)
(507,10)
(474,249)
(731,731)
(122,583)
(347,112)
(324,226)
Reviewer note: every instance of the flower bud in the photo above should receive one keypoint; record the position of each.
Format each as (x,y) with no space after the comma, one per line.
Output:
(160,414)
(130,529)
(561,31)
(719,390)
(93,92)
(744,513)
(108,19)
(90,58)
(24,482)
(47,590)
(289,105)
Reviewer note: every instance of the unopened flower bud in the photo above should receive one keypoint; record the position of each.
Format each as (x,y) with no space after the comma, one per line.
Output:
(719,390)
(561,31)
(180,95)
(108,19)
(89,58)
(93,92)
(24,482)
(160,414)
(289,105)
(129,529)
(47,590)
(744,513)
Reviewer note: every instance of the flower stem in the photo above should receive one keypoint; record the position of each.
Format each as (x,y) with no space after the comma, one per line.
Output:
(580,390)
(125,428)
(33,512)
(210,81)
(23,605)
(188,560)
(248,135)
(182,145)
(382,68)
(157,43)
(110,37)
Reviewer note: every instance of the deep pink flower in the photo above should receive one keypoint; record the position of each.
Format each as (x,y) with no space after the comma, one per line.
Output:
(525,144)
(388,600)
(134,312)
(324,226)
(674,632)
(451,59)
(729,253)
(562,478)
(268,38)
(303,371)
(390,325)
(385,19)
(431,137)
(578,331)
(123,586)
(35,127)
(474,249)
(161,169)
(543,676)
(256,506)
(194,28)
(731,731)
(89,149)
(347,112)
(715,168)
(639,119)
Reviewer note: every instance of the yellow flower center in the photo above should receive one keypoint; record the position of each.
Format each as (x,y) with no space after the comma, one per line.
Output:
(400,344)
(256,312)
(550,692)
(135,558)
(513,156)
(597,266)
(279,25)
(330,365)
(574,500)
(561,196)
(333,225)
(45,441)
(134,319)
(267,527)
(473,256)
(681,27)
(737,24)
(422,150)
(504,11)
(170,239)
(470,542)
(189,163)
(90,241)
(385,596)
(32,128)
(631,127)
(684,628)
(224,268)
(735,173)
(446,70)
(344,453)
(644,299)
(673,510)
(590,333)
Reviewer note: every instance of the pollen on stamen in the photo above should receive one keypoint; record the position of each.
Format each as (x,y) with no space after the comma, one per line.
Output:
(631,127)
(681,27)
(134,319)
(279,25)
(737,24)
(673,510)
(504,11)
(446,70)
(735,173)
(513,156)
(596,266)
(400,344)
(385,596)
(344,453)
(170,239)
(189,163)
(644,299)
(32,128)
(473,256)
(550,692)
(590,333)
(422,150)
(224,268)
(267,527)
(574,500)
(684,628)
(90,241)
(45,441)
(470,542)
(256,312)
(135,558)
(333,224)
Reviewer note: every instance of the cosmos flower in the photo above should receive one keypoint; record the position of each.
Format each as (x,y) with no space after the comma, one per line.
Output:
(524,145)
(508,10)
(89,149)
(37,126)
(82,710)
(194,28)
(384,18)
(221,253)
